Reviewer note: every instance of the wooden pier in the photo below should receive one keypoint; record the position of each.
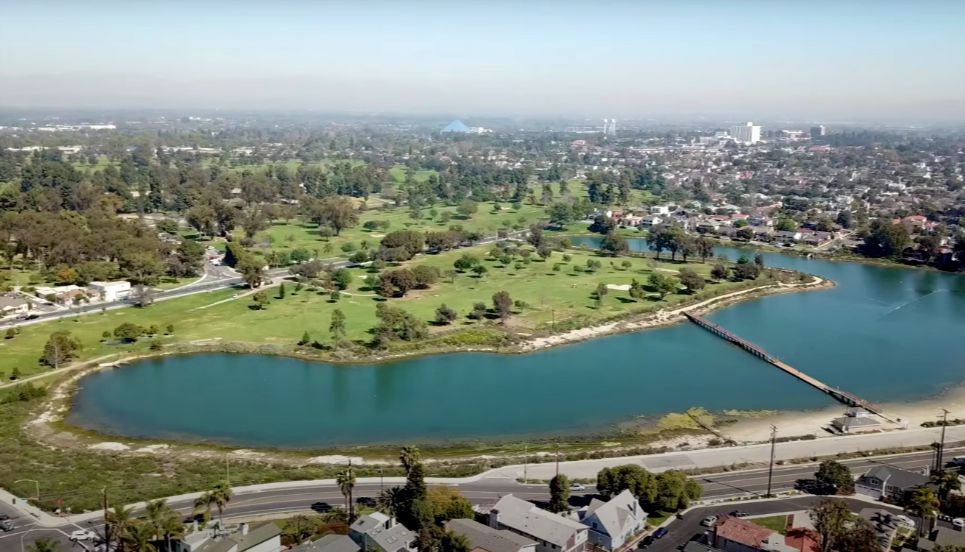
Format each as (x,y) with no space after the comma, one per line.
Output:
(840,395)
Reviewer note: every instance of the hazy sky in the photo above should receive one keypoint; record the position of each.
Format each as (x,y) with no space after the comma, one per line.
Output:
(835,59)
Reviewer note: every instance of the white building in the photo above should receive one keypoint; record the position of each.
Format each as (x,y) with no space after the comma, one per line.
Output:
(111,291)
(746,134)
(552,532)
(614,523)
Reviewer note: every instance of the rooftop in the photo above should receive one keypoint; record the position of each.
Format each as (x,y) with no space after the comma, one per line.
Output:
(526,518)
(482,537)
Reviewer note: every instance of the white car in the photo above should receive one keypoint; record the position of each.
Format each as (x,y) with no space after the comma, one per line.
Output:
(83,535)
(905,521)
(959,524)
(577,487)
(709,521)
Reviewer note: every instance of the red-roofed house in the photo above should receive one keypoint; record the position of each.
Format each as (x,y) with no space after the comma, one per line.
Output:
(803,540)
(740,535)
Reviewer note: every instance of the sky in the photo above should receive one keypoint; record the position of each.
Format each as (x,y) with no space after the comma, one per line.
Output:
(748,59)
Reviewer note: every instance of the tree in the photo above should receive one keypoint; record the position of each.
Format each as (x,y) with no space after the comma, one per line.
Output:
(346,482)
(946,482)
(425,276)
(395,323)
(164,522)
(390,501)
(662,284)
(337,327)
(455,542)
(830,518)
(535,237)
(560,215)
(601,292)
(118,526)
(401,245)
(637,290)
(614,244)
(252,270)
(835,475)
(61,347)
(342,278)
(218,496)
(479,270)
(923,504)
(45,544)
(445,315)
(128,332)
(396,283)
(467,208)
(465,262)
(447,503)
(786,224)
(336,212)
(559,494)
(691,280)
(705,248)
(503,305)
(718,272)
(886,239)
(261,300)
(861,536)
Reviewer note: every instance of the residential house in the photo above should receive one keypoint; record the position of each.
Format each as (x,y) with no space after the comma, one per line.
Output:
(787,236)
(886,482)
(649,221)
(61,294)
(264,538)
(12,304)
(379,533)
(660,210)
(552,532)
(733,534)
(329,543)
(111,291)
(614,522)
(483,538)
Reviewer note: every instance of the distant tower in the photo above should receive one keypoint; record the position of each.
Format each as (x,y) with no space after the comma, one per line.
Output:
(609,127)
(746,134)
(818,132)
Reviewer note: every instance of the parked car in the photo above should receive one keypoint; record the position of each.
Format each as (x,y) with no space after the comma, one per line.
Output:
(905,521)
(645,541)
(83,535)
(660,533)
(738,514)
(7,525)
(708,521)
(959,524)
(577,487)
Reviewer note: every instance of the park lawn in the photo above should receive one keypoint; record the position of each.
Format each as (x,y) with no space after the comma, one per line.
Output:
(398,174)
(774,523)
(300,234)
(102,163)
(169,282)
(291,164)
(553,299)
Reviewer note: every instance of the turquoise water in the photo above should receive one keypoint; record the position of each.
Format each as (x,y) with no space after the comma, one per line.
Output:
(884,333)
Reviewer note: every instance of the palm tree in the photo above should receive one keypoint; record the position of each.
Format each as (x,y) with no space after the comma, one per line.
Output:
(923,504)
(409,456)
(455,542)
(118,522)
(390,500)
(44,545)
(946,481)
(346,482)
(219,496)
(139,538)
(165,522)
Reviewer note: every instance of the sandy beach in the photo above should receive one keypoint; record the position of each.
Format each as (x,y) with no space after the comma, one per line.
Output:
(812,422)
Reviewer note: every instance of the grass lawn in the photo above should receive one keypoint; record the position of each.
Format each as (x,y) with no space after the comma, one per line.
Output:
(554,299)
(774,523)
(299,234)
(398,174)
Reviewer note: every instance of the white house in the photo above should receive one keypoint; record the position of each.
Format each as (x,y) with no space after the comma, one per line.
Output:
(379,533)
(615,522)
(552,532)
(12,304)
(111,291)
(265,538)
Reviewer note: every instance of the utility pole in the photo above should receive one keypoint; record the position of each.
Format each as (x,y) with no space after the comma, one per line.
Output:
(940,452)
(381,480)
(107,525)
(557,458)
(525,461)
(770,469)
(227,470)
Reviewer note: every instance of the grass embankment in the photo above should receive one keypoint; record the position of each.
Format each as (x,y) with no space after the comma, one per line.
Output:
(553,300)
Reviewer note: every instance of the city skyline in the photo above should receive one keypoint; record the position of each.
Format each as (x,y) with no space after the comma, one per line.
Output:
(857,61)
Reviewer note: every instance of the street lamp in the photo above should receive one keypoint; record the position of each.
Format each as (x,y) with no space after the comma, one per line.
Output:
(36,484)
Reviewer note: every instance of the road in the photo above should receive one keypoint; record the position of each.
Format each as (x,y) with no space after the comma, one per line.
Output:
(302,497)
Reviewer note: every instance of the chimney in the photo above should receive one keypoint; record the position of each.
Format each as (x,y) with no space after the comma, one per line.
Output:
(244,529)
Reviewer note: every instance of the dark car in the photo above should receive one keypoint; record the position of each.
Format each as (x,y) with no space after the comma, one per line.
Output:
(6,525)
(322,507)
(200,518)
(660,533)
(366,501)
(738,514)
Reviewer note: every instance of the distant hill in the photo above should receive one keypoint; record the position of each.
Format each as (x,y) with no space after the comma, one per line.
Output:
(456,126)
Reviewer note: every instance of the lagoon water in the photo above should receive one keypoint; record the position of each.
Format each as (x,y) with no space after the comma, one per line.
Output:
(887,334)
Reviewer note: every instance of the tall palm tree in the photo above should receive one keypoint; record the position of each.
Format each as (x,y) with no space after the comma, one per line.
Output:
(139,538)
(390,500)
(44,545)
(409,456)
(118,522)
(218,496)
(923,504)
(346,482)
(171,527)
(946,481)
(165,522)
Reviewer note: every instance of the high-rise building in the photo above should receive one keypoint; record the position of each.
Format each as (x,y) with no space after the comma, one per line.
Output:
(746,134)
(818,132)
(609,127)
